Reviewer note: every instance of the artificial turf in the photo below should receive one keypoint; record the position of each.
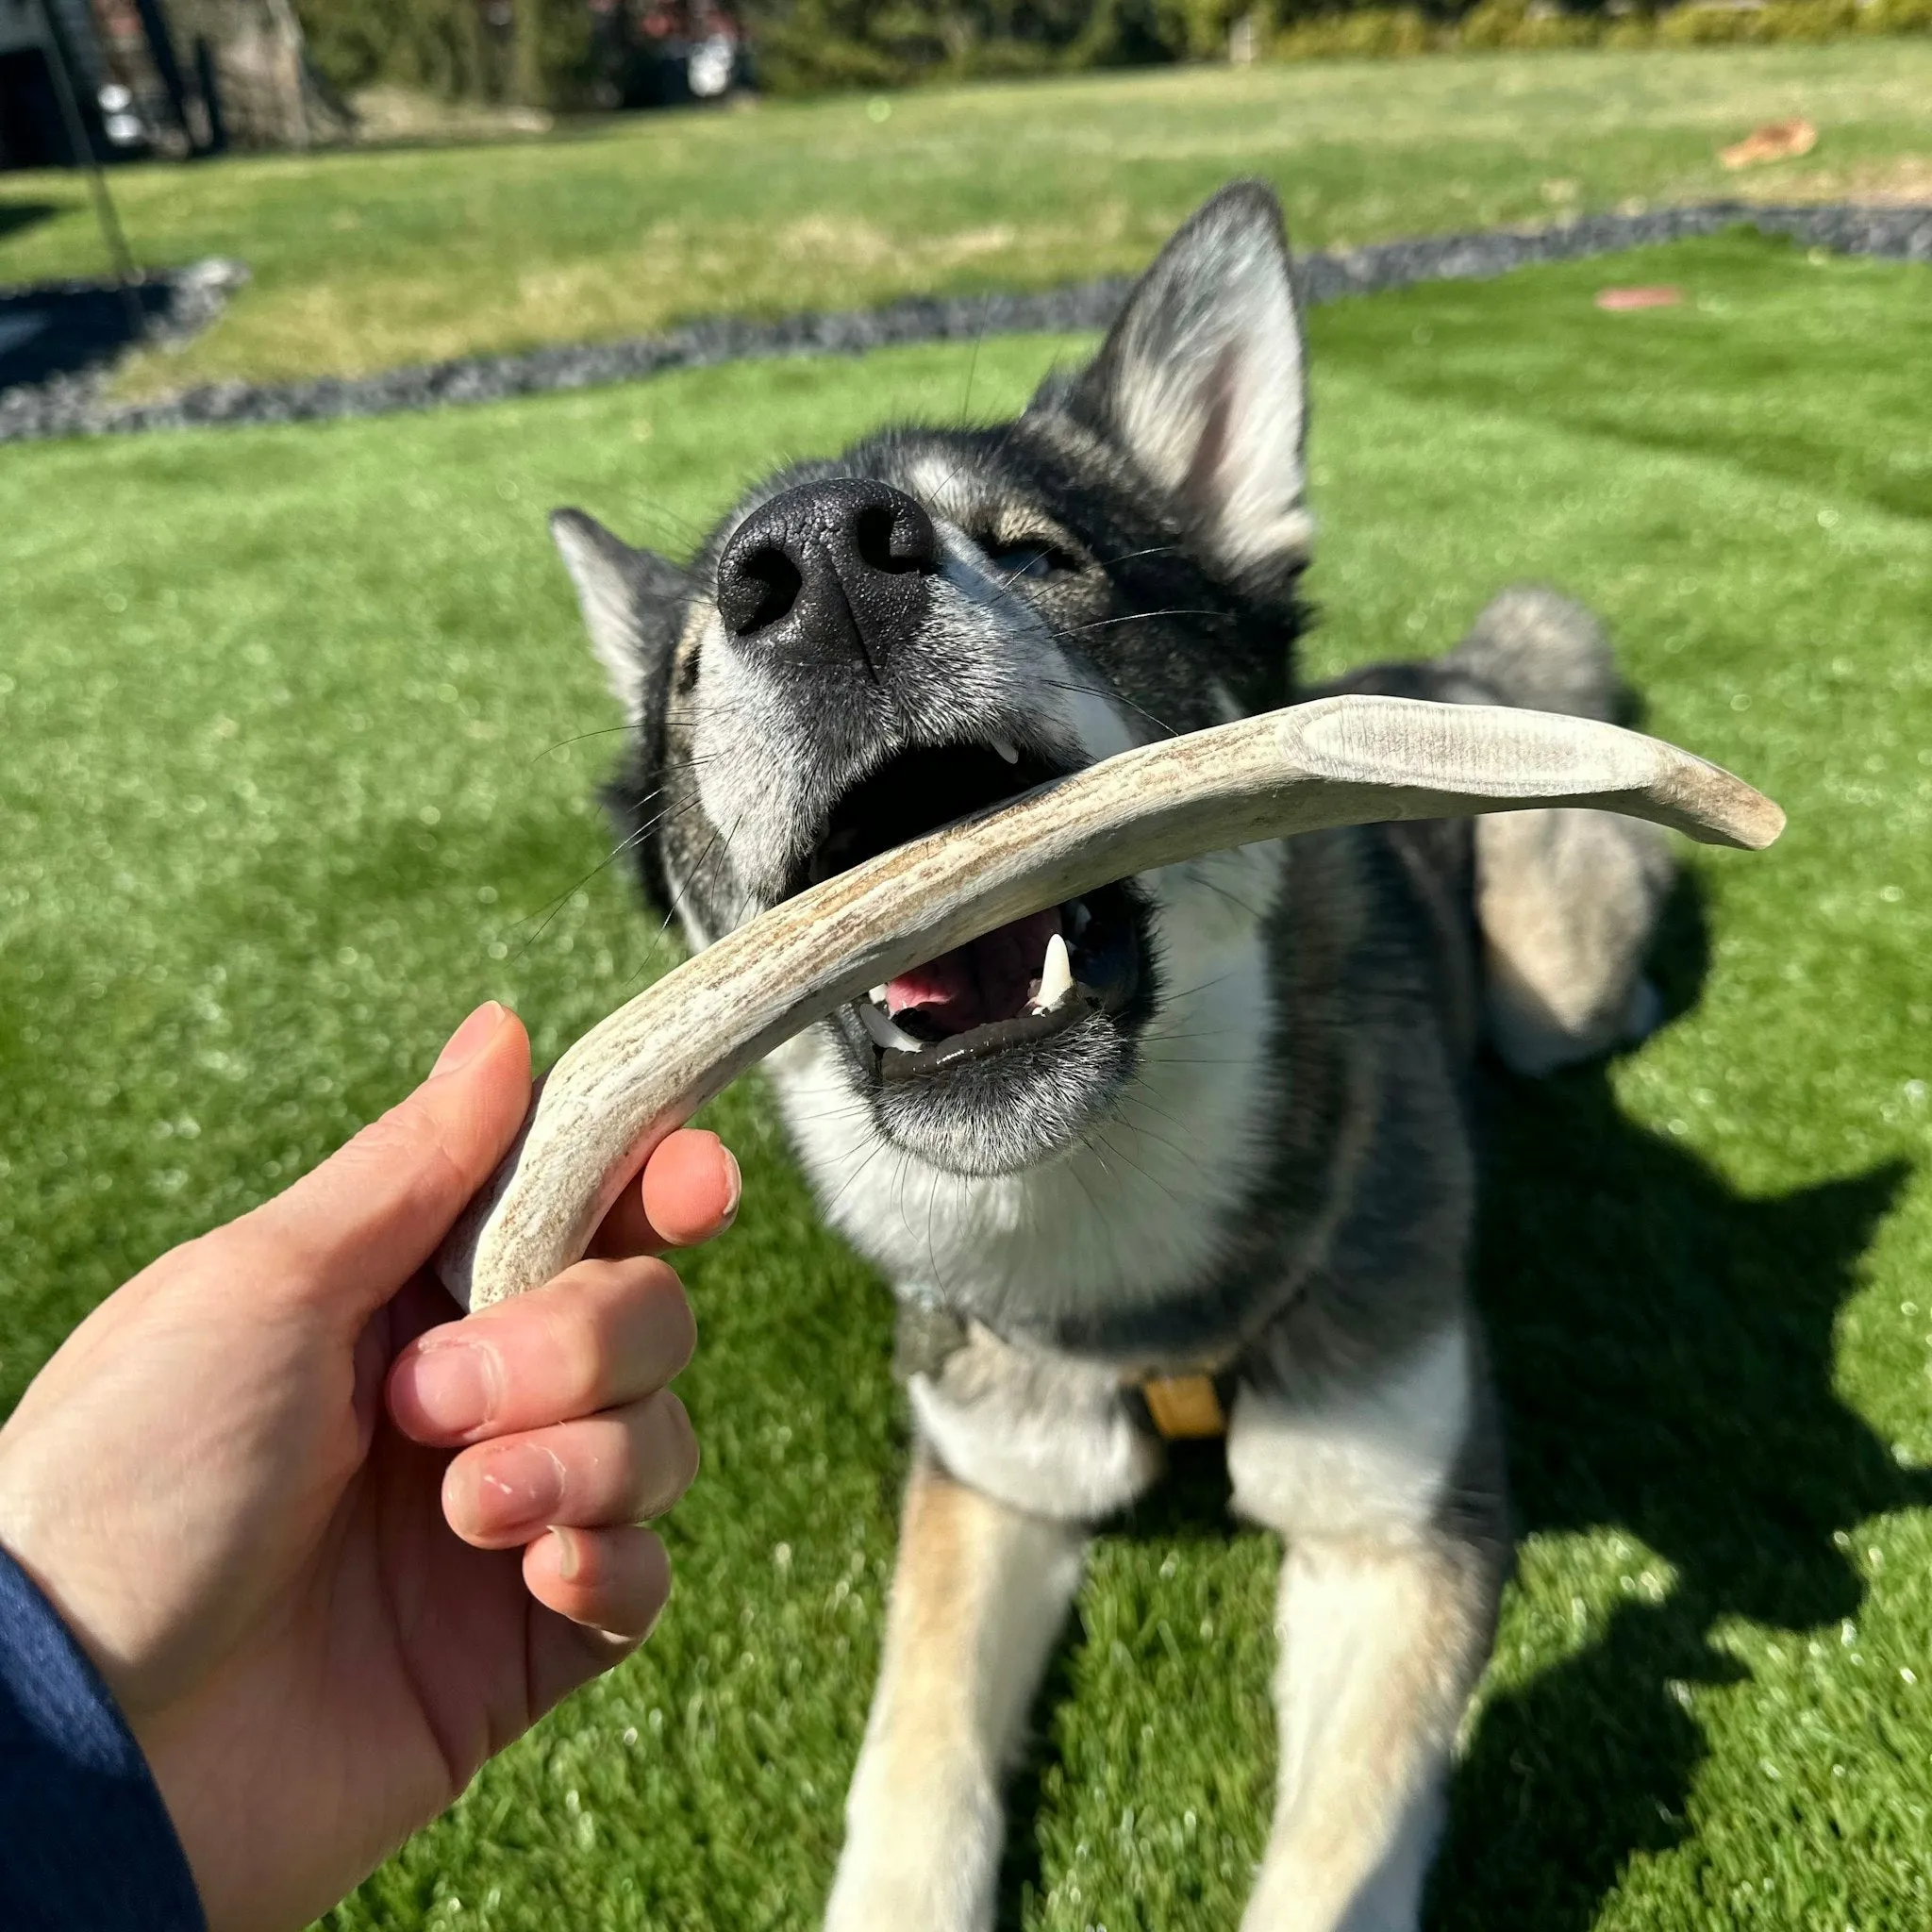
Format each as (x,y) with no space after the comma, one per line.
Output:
(299,745)
(363,260)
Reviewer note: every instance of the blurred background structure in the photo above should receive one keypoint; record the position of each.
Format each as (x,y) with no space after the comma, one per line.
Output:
(187,77)
(151,79)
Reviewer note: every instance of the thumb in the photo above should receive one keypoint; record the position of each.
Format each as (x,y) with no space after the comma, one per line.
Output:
(356,1228)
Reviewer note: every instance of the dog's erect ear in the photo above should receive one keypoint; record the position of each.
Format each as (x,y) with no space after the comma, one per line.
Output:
(1200,382)
(630,600)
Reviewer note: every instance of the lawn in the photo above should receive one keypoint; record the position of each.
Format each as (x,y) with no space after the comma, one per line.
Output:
(366,260)
(301,737)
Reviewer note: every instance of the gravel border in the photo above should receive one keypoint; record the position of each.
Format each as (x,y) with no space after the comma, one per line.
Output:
(74,406)
(176,304)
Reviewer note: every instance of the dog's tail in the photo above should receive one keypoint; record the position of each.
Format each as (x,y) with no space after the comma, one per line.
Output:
(1532,646)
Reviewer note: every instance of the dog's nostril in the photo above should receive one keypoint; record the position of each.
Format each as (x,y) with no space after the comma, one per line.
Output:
(871,537)
(895,537)
(839,567)
(759,587)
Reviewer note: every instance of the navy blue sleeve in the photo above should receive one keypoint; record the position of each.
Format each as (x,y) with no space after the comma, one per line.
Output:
(84,1840)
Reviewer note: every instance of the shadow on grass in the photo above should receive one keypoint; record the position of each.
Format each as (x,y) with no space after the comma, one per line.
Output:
(18,215)
(67,330)
(1664,1346)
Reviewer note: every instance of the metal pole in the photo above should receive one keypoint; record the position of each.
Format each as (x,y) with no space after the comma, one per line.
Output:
(79,139)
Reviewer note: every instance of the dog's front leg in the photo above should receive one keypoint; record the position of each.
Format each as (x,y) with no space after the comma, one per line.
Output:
(1387,1606)
(978,1599)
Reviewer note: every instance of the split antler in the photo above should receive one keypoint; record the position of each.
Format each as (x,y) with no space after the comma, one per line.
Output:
(1337,761)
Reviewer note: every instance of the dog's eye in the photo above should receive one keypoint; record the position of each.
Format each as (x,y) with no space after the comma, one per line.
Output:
(1030,557)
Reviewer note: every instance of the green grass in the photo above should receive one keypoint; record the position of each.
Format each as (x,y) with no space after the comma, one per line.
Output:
(294,774)
(365,261)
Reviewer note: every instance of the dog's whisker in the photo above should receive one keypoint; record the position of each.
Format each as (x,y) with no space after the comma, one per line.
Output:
(1113,696)
(831,1207)
(1073,631)
(563,898)
(1153,1180)
(578,738)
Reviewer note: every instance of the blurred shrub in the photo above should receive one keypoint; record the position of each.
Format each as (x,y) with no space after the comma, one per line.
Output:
(1368,33)
(532,52)
(804,45)
(539,51)
(1374,30)
(1513,23)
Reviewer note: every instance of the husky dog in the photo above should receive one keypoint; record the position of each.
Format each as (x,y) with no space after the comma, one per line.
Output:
(1188,1152)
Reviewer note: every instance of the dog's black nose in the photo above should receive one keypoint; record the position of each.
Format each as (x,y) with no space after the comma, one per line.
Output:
(831,572)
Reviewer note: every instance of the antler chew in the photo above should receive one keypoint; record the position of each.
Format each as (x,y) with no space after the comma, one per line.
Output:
(1337,761)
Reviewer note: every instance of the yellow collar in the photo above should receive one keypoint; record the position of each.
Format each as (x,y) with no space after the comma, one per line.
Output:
(1185,1408)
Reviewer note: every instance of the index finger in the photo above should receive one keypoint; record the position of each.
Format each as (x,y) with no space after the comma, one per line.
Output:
(688,1192)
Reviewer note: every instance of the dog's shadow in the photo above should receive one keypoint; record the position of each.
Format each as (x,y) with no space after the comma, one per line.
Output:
(1664,1347)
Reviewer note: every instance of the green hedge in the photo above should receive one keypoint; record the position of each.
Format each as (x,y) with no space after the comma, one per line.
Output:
(540,58)
(545,57)
(1393,31)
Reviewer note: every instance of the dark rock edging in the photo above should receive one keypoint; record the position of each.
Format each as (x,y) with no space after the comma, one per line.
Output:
(1900,234)
(174,306)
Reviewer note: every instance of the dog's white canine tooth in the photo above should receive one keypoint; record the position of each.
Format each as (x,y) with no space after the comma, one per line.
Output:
(1007,750)
(885,1030)
(877,995)
(1055,975)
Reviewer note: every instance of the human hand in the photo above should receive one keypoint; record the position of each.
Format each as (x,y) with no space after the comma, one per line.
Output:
(235,1483)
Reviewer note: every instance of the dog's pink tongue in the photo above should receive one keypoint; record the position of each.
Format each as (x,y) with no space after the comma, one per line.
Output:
(988,980)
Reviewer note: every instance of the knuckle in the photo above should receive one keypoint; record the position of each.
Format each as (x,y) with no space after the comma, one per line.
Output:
(599,1332)
(577,1350)
(639,1314)
(408,1142)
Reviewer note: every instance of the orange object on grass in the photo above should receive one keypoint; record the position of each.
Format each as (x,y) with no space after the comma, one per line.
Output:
(1777,141)
(1659,295)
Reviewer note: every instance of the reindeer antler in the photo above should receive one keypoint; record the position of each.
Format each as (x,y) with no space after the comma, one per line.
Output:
(1337,761)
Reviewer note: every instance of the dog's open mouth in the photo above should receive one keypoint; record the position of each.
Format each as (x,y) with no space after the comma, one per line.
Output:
(1022,982)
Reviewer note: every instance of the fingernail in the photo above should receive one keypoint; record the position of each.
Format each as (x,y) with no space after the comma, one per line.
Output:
(568,1555)
(735,1186)
(470,1038)
(519,1484)
(455,1385)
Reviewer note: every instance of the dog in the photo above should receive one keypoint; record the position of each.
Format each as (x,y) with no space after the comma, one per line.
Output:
(1189,1155)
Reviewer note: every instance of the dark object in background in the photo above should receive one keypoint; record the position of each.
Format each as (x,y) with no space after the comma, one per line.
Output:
(207,86)
(174,78)
(31,133)
(80,138)
(129,93)
(666,53)
(37,44)
(167,69)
